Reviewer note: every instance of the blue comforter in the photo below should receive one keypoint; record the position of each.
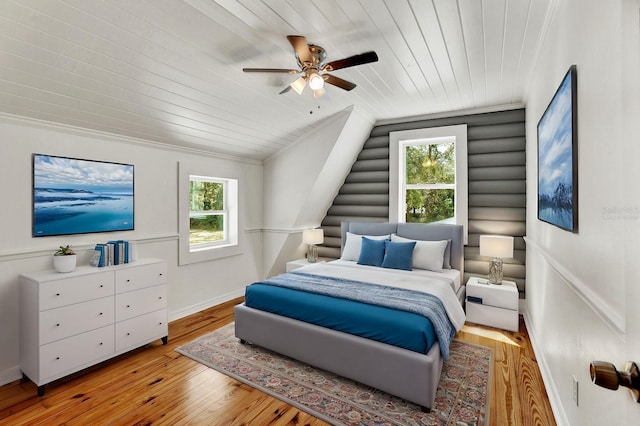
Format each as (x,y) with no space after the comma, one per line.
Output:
(403,318)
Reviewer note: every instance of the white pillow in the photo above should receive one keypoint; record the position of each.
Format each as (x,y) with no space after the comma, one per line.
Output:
(426,254)
(353,245)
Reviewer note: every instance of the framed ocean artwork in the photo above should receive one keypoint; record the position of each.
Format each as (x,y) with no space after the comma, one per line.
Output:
(75,196)
(558,157)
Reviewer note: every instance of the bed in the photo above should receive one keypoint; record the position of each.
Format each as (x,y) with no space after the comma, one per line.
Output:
(383,354)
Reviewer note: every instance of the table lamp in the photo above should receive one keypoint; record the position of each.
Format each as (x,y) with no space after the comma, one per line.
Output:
(311,237)
(497,247)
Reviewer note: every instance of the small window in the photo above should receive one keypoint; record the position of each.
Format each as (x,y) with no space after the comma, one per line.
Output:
(207,212)
(428,175)
(429,184)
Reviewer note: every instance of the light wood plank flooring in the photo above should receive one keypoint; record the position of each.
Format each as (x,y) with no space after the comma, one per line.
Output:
(155,385)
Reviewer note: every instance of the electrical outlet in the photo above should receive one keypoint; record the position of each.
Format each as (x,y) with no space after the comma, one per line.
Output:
(575,390)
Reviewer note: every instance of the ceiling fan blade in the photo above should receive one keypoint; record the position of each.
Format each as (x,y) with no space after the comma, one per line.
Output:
(272,70)
(337,81)
(301,47)
(285,90)
(351,61)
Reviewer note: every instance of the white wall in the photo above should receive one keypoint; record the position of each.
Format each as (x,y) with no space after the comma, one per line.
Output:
(191,288)
(301,181)
(577,284)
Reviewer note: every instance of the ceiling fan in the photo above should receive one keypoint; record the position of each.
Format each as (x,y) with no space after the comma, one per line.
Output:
(311,60)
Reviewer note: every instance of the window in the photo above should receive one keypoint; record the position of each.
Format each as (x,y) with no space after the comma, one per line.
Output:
(208,215)
(428,175)
(207,212)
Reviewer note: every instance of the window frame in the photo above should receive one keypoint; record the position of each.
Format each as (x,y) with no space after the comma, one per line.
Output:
(398,141)
(230,246)
(224,212)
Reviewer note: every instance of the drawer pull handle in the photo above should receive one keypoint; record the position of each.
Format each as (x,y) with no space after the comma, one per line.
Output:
(128,306)
(101,286)
(159,323)
(57,294)
(160,274)
(160,297)
(100,313)
(57,358)
(128,281)
(128,334)
(101,343)
(58,325)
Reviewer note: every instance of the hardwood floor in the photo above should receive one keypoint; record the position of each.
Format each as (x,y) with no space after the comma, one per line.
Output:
(156,385)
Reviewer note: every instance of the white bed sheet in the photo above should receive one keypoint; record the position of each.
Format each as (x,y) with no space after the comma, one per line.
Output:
(442,285)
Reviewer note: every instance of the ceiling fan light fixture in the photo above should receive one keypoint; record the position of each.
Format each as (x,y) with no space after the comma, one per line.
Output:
(318,93)
(299,84)
(316,82)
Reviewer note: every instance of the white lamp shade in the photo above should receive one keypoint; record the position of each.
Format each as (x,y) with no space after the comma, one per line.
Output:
(298,85)
(496,246)
(313,236)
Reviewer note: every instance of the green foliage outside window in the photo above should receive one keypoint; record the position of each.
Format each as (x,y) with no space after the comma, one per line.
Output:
(429,164)
(206,198)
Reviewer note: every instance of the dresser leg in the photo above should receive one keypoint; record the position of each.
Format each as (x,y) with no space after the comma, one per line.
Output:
(165,340)
(41,390)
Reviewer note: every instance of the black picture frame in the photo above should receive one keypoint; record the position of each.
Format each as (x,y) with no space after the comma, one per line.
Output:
(558,156)
(77,196)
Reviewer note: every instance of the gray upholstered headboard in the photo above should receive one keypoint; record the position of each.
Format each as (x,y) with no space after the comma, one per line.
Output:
(416,231)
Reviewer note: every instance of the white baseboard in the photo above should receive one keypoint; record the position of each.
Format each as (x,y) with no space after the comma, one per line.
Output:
(205,305)
(9,375)
(547,378)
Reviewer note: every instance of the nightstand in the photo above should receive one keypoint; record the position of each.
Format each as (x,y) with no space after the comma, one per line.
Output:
(491,304)
(299,263)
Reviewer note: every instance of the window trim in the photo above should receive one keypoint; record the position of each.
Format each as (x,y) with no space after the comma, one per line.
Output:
(397,142)
(232,246)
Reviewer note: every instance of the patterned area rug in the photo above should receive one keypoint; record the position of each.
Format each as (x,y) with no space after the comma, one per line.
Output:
(462,397)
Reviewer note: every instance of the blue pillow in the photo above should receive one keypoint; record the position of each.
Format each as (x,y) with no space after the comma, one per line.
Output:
(398,255)
(371,252)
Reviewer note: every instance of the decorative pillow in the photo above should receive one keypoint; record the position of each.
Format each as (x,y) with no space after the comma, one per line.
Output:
(398,255)
(372,252)
(427,254)
(353,245)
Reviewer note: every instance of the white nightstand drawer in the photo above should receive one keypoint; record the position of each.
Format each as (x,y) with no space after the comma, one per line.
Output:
(506,319)
(501,296)
(60,323)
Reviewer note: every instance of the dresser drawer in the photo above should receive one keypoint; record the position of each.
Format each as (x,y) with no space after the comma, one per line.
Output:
(140,330)
(59,323)
(135,303)
(134,278)
(56,293)
(74,353)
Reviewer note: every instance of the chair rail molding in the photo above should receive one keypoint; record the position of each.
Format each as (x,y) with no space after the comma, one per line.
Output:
(613,319)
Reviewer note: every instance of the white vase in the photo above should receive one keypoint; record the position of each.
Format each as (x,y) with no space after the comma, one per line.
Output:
(64,263)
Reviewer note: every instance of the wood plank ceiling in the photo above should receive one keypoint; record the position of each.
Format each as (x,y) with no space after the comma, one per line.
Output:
(170,71)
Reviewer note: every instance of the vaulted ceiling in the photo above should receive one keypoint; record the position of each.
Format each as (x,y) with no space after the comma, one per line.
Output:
(170,71)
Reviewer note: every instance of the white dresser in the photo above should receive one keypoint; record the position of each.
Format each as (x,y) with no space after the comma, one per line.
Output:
(70,321)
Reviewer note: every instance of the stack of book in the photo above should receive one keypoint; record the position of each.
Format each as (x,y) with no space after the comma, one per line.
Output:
(114,252)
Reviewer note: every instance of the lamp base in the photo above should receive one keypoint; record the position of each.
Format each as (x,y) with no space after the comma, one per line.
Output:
(495,271)
(312,254)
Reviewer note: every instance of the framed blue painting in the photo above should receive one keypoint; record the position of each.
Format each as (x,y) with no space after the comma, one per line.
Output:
(74,196)
(558,157)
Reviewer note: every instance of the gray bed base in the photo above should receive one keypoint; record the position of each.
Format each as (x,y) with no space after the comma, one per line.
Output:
(400,372)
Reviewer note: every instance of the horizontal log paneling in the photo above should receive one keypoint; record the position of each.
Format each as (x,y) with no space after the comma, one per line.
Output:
(497,186)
